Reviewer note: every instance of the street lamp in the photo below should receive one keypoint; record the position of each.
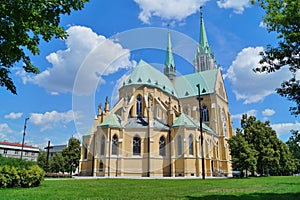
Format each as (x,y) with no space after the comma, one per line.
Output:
(199,100)
(24,136)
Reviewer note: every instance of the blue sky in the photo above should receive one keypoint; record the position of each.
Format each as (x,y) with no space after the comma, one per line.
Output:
(103,46)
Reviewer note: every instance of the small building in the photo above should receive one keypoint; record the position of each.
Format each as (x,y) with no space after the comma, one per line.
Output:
(56,149)
(13,150)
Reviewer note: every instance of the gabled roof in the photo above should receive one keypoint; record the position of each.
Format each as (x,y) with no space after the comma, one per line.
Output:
(112,120)
(183,121)
(145,74)
(186,121)
(186,85)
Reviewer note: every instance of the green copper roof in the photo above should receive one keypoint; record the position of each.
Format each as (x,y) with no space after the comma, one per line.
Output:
(184,121)
(186,85)
(111,121)
(204,47)
(169,62)
(145,74)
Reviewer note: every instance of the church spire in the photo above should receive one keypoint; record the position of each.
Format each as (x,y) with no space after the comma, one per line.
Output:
(170,69)
(203,42)
(204,58)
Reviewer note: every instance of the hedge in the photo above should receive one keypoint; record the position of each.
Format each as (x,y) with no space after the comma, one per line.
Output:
(24,175)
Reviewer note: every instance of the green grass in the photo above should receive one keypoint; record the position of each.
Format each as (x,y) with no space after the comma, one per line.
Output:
(251,188)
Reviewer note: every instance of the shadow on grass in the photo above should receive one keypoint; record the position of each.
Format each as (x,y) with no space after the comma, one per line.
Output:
(254,196)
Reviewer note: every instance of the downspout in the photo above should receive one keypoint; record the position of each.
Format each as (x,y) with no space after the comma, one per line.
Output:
(93,157)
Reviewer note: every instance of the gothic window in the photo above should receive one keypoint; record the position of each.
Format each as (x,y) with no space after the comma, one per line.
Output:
(85,153)
(191,145)
(102,148)
(179,146)
(205,113)
(136,145)
(114,148)
(101,166)
(224,122)
(139,106)
(162,146)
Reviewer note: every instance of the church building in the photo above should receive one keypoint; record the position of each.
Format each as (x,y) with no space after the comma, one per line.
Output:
(164,125)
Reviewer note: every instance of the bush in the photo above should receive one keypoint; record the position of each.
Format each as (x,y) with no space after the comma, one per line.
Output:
(24,175)
(57,175)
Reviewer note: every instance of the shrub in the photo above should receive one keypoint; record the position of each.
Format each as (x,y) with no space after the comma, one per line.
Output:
(26,174)
(57,175)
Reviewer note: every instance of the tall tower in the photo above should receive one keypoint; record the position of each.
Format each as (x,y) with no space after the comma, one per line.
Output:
(204,58)
(170,69)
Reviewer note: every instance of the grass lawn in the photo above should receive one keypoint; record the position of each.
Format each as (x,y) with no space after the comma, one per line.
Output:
(251,188)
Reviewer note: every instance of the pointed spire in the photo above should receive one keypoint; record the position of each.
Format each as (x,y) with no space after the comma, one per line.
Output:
(204,58)
(203,42)
(170,69)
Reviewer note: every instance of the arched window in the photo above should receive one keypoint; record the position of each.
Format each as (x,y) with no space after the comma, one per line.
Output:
(179,145)
(136,145)
(162,146)
(191,145)
(102,147)
(101,168)
(139,106)
(85,153)
(224,122)
(114,148)
(205,113)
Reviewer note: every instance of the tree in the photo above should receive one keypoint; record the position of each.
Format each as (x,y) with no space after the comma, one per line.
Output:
(23,24)
(57,163)
(41,160)
(257,144)
(243,154)
(283,17)
(71,154)
(294,146)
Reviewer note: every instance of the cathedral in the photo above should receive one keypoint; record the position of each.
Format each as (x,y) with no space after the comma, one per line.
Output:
(163,125)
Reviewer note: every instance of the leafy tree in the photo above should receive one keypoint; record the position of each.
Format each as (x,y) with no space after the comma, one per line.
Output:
(22,25)
(283,17)
(257,144)
(41,160)
(294,146)
(242,153)
(57,163)
(71,154)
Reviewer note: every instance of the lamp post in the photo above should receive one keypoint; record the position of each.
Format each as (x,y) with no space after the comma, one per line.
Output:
(201,133)
(24,136)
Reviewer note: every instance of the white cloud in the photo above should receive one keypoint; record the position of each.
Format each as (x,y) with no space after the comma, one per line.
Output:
(13,115)
(4,129)
(262,25)
(168,10)
(252,112)
(82,41)
(49,120)
(268,112)
(250,86)
(284,128)
(237,5)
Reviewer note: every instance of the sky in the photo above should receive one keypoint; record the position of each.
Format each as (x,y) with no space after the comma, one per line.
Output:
(107,39)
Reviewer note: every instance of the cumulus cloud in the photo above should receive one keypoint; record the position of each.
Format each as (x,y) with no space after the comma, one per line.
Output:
(238,6)
(13,115)
(249,86)
(284,128)
(4,129)
(268,112)
(49,120)
(168,10)
(60,77)
(252,112)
